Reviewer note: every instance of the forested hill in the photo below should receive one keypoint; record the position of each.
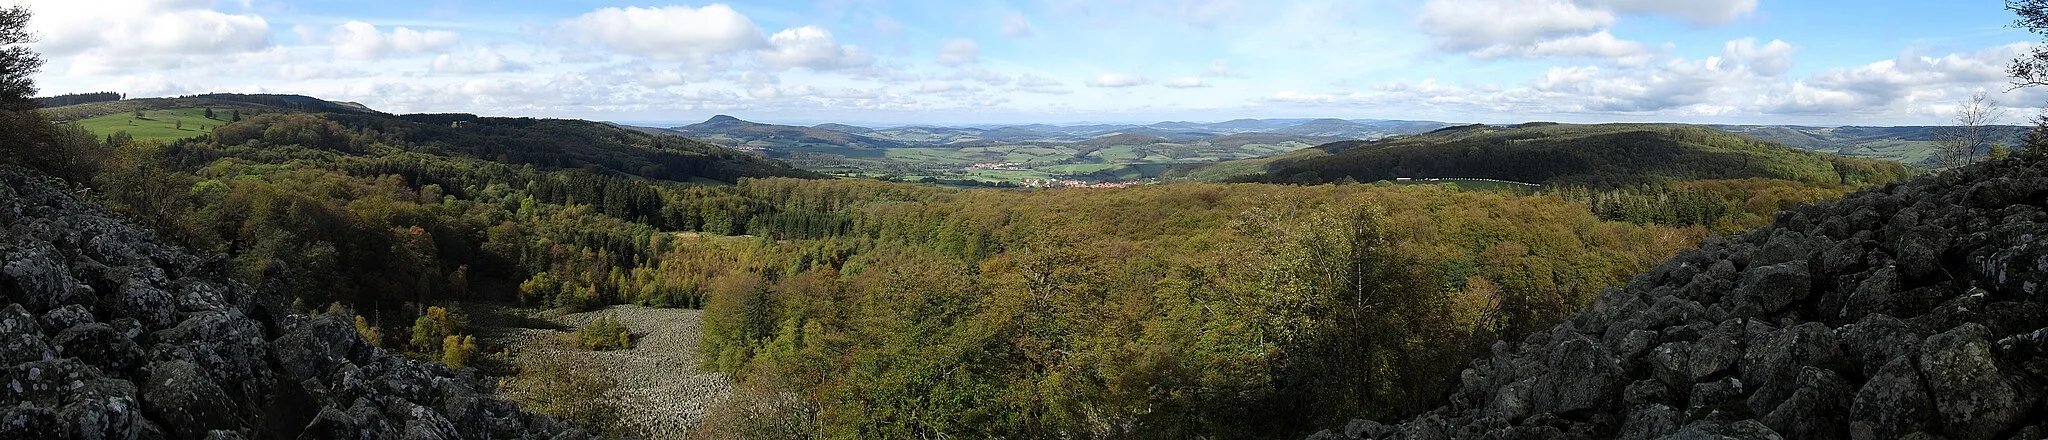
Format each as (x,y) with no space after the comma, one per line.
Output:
(221,102)
(1599,156)
(563,144)
(352,129)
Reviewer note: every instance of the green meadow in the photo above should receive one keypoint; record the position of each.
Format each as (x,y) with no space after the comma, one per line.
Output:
(161,125)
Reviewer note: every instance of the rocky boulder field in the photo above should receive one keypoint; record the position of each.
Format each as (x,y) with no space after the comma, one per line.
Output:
(106,333)
(1912,311)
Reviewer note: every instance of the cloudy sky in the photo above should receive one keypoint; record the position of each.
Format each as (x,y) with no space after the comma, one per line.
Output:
(1822,62)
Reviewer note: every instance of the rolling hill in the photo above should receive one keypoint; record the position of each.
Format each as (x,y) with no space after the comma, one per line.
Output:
(168,119)
(1017,153)
(1601,156)
(1911,145)
(733,132)
(544,143)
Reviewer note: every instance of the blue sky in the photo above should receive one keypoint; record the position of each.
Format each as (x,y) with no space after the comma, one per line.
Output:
(884,62)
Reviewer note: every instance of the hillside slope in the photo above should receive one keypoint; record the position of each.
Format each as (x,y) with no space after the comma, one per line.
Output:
(1912,145)
(731,131)
(1601,156)
(111,334)
(1912,311)
(220,102)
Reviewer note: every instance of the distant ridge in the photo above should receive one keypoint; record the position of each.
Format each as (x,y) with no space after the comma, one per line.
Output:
(1601,156)
(262,103)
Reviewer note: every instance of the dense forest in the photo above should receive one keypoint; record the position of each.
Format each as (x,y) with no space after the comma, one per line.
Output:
(901,310)
(77,98)
(1596,156)
(914,310)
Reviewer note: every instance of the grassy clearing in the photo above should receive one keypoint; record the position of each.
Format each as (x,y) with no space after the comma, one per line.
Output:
(161,125)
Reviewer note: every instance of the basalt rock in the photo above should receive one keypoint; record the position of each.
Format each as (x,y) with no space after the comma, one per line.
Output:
(1916,310)
(109,334)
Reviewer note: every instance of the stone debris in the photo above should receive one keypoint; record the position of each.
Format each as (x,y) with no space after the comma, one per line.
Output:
(110,334)
(1916,310)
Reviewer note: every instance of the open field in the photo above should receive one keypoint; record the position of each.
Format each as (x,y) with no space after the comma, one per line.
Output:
(1027,161)
(161,125)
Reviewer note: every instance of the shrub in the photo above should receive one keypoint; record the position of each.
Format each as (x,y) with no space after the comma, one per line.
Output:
(566,388)
(376,337)
(606,333)
(456,351)
(430,329)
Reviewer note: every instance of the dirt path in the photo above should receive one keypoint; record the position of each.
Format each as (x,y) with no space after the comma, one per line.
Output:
(660,393)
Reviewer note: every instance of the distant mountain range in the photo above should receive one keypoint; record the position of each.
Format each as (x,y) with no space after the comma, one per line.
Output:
(730,131)
(1911,145)
(1599,156)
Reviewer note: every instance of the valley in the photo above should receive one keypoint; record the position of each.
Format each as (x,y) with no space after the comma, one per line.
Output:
(416,221)
(1032,155)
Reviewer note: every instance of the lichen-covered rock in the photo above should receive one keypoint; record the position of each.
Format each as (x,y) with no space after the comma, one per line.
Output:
(1976,397)
(1817,409)
(1917,310)
(109,335)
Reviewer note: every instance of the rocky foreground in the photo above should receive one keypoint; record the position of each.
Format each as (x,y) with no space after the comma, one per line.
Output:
(1914,311)
(106,333)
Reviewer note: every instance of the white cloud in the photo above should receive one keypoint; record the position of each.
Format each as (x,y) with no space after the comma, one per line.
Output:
(1699,12)
(111,36)
(1041,85)
(1016,26)
(1910,83)
(814,48)
(983,76)
(669,32)
(481,60)
(1115,80)
(362,41)
(1186,82)
(1770,59)
(1492,29)
(1600,45)
(1746,83)
(941,87)
(154,84)
(1473,25)
(959,52)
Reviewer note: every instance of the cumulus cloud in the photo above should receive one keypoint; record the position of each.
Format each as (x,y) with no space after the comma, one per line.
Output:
(481,60)
(1016,26)
(362,41)
(1475,25)
(154,84)
(1600,45)
(1116,80)
(1699,12)
(1747,81)
(111,36)
(959,52)
(1769,59)
(941,87)
(1490,29)
(814,48)
(669,32)
(1911,82)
